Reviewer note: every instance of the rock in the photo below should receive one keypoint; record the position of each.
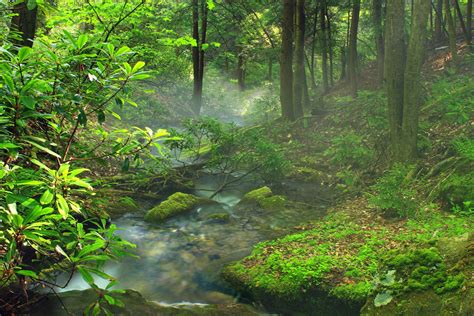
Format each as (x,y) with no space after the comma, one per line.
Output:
(134,304)
(219,217)
(177,203)
(264,198)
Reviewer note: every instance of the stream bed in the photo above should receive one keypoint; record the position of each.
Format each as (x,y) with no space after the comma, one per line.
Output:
(180,260)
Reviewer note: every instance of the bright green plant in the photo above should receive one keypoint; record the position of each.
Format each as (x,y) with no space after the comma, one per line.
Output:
(394,192)
(349,150)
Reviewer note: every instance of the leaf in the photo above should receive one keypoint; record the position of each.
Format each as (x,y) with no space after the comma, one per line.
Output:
(46,197)
(81,41)
(24,53)
(86,275)
(61,251)
(29,183)
(31,4)
(139,65)
(42,148)
(28,273)
(62,206)
(383,299)
(82,117)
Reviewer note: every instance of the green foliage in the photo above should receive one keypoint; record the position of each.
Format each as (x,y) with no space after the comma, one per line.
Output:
(349,150)
(453,98)
(228,148)
(54,100)
(394,192)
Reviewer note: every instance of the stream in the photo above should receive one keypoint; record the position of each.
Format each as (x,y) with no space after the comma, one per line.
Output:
(180,260)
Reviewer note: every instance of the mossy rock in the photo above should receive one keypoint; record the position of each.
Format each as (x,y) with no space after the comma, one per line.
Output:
(134,304)
(264,198)
(176,204)
(219,217)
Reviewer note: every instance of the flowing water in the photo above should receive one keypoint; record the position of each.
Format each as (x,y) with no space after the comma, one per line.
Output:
(180,260)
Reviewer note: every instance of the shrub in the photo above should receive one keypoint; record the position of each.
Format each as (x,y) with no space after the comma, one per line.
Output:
(349,150)
(394,192)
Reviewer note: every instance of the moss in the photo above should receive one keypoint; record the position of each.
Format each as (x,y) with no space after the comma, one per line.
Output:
(219,217)
(177,203)
(264,198)
(355,291)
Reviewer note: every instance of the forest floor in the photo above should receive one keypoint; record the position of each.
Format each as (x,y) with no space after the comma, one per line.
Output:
(351,253)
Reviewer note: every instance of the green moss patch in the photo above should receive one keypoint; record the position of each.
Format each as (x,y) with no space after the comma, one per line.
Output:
(264,198)
(177,203)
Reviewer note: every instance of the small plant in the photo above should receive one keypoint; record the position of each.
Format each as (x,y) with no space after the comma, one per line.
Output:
(349,150)
(394,192)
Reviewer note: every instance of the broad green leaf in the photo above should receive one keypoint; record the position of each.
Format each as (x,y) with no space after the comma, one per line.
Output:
(47,197)
(383,299)
(62,206)
(25,51)
(27,273)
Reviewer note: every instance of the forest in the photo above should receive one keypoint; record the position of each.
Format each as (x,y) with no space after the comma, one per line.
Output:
(236,157)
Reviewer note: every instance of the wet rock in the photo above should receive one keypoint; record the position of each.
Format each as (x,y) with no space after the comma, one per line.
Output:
(177,203)
(219,217)
(134,304)
(263,198)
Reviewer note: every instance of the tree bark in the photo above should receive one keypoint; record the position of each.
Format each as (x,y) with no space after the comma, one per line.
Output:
(469,21)
(394,71)
(412,79)
(352,66)
(439,35)
(324,50)
(197,87)
(461,20)
(241,71)
(286,61)
(24,21)
(313,48)
(331,52)
(451,32)
(377,16)
(298,81)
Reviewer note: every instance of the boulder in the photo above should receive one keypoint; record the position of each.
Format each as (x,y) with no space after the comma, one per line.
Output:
(176,204)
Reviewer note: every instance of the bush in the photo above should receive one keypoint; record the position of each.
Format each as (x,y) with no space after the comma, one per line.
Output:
(394,192)
(349,150)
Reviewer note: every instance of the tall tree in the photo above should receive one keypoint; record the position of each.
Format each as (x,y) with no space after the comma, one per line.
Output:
(469,21)
(461,20)
(394,70)
(352,65)
(451,31)
(402,73)
(324,46)
(438,33)
(286,61)
(198,51)
(24,21)
(412,80)
(299,76)
(379,44)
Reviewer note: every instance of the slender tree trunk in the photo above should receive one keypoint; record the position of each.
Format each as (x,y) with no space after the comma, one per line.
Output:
(394,71)
(469,21)
(241,71)
(344,48)
(270,69)
(461,20)
(286,61)
(353,48)
(313,48)
(197,88)
(412,79)
(377,15)
(204,12)
(24,21)
(451,32)
(331,51)
(299,74)
(439,35)
(324,49)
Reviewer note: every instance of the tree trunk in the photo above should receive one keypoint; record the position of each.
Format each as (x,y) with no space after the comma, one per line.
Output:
(331,53)
(270,69)
(286,61)
(344,48)
(412,79)
(394,71)
(461,20)
(439,35)
(352,66)
(324,50)
(469,21)
(377,15)
(241,71)
(24,21)
(451,32)
(298,81)
(313,48)
(197,88)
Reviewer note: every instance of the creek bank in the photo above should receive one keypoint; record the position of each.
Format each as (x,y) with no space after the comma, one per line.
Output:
(329,266)
(134,304)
